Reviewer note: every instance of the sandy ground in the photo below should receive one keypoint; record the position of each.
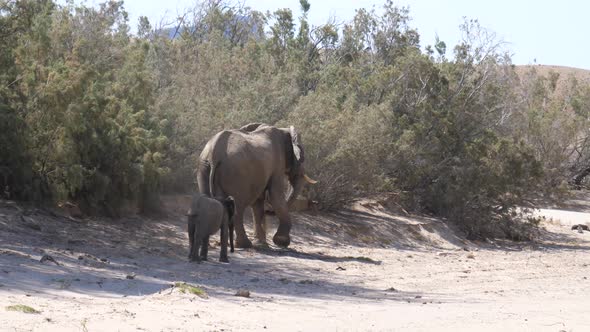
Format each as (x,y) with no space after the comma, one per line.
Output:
(362,269)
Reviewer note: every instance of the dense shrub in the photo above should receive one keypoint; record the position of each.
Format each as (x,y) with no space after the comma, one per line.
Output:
(83,91)
(102,117)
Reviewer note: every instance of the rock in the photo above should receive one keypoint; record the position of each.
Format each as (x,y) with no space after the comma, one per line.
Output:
(30,223)
(580,228)
(243,293)
(47,258)
(70,209)
(130,276)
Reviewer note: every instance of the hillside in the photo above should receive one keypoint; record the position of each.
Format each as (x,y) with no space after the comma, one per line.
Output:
(565,73)
(580,74)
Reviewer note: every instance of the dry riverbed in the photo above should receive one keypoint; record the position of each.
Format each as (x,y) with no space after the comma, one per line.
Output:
(363,269)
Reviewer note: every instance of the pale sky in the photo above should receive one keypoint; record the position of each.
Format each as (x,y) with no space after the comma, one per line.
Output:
(552,32)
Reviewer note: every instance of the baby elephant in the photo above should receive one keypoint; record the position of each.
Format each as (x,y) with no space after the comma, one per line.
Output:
(205,216)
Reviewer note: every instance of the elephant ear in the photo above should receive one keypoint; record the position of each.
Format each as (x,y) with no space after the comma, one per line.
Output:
(251,127)
(297,148)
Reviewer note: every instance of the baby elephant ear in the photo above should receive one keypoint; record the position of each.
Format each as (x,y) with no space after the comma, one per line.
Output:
(297,148)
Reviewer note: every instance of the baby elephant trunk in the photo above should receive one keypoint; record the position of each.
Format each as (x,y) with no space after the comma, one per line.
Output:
(230,207)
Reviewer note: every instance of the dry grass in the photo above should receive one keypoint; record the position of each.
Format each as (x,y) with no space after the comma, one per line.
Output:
(185,288)
(23,308)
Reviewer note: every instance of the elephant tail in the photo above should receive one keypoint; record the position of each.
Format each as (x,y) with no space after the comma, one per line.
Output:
(230,206)
(212,179)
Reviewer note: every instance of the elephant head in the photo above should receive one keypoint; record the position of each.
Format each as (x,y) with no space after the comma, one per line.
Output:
(295,157)
(295,169)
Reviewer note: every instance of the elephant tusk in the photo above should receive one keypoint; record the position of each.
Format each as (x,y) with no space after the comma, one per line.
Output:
(308,179)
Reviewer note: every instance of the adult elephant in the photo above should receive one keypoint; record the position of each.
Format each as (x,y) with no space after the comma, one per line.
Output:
(248,164)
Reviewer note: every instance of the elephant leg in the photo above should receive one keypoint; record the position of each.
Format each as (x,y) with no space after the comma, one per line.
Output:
(191,239)
(194,254)
(279,205)
(242,240)
(231,236)
(223,250)
(259,221)
(205,248)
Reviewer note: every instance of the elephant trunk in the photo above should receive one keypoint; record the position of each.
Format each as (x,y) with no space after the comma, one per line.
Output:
(297,185)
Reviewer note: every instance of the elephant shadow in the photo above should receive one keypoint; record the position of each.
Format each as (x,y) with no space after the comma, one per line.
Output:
(289,252)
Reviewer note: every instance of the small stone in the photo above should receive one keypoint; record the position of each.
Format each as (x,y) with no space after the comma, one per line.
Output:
(130,276)
(243,293)
(47,258)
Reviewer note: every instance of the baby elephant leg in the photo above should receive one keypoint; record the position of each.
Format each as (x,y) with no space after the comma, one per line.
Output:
(223,250)
(205,248)
(194,253)
(231,237)
(191,239)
